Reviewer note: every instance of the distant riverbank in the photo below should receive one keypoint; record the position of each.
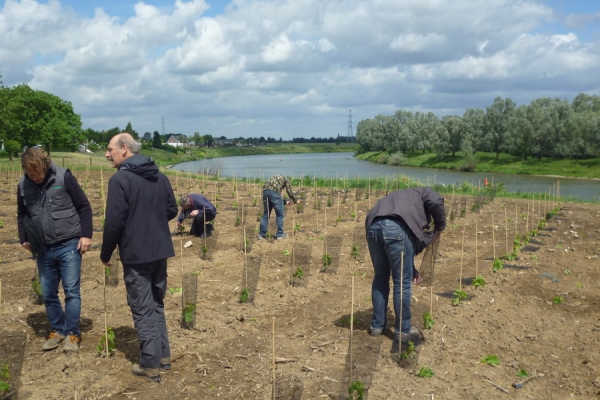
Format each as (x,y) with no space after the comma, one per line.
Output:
(504,164)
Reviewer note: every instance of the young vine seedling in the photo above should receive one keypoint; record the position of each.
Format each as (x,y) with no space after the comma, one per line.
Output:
(356,390)
(428,321)
(425,372)
(491,359)
(479,281)
(497,265)
(244,295)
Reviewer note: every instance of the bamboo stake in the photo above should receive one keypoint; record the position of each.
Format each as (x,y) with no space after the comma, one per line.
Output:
(527,219)
(462,254)
(401,300)
(293,241)
(105,312)
(245,260)
(506,229)
(516,219)
(351,330)
(493,237)
(476,249)
(273,358)
(338,204)
(0,291)
(204,222)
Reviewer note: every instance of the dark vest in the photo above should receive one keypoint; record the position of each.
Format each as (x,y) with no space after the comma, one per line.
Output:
(51,206)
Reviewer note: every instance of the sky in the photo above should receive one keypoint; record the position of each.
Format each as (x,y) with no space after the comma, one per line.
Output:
(294,68)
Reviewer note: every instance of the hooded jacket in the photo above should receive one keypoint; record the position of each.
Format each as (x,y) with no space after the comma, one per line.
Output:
(417,207)
(139,205)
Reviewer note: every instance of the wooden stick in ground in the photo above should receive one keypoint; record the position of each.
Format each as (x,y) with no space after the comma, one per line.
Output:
(204,222)
(476,250)
(351,330)
(506,229)
(0,291)
(401,301)
(493,237)
(462,253)
(338,205)
(245,262)
(105,312)
(293,241)
(273,358)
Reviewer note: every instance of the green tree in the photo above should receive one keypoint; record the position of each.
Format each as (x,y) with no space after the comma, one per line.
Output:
(208,139)
(497,123)
(37,117)
(129,129)
(156,140)
(12,147)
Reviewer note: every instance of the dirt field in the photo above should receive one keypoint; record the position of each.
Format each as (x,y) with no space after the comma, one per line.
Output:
(229,352)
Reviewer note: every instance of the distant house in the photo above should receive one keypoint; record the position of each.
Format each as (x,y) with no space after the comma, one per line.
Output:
(172,141)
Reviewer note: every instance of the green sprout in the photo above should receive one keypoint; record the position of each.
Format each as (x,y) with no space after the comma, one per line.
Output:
(557,299)
(490,359)
(326,262)
(497,265)
(428,321)
(188,313)
(4,377)
(522,373)
(101,347)
(425,372)
(479,281)
(458,296)
(174,290)
(356,390)
(244,295)
(355,252)
(298,274)
(411,348)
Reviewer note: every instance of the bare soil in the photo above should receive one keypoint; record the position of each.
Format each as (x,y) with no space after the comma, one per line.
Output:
(229,352)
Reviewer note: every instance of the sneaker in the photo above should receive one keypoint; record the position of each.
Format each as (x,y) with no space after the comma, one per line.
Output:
(260,237)
(71,343)
(152,374)
(283,236)
(54,339)
(165,364)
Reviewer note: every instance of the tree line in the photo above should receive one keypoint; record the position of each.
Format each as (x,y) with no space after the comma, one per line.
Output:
(546,127)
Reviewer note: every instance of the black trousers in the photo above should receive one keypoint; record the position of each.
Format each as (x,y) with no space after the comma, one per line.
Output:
(198,223)
(146,286)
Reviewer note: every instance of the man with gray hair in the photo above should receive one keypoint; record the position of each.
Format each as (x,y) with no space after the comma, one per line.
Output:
(139,206)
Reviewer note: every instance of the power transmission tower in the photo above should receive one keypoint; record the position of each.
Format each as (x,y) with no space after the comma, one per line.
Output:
(350,136)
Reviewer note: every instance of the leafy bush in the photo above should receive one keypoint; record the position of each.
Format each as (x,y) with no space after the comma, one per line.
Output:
(398,158)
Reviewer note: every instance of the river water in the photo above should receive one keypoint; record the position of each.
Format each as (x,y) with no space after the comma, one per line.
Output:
(344,165)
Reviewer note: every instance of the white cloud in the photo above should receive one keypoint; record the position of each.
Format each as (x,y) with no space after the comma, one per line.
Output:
(292,67)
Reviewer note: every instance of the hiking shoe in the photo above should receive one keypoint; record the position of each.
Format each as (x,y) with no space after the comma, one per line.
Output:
(412,335)
(260,237)
(376,332)
(165,364)
(152,374)
(71,343)
(54,339)
(283,236)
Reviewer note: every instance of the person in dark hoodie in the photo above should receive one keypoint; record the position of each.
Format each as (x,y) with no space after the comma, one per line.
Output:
(398,228)
(54,219)
(139,206)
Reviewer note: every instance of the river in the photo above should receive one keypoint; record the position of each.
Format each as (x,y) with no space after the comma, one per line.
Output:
(344,165)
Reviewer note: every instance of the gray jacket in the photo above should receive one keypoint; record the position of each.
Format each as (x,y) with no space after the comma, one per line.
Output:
(417,207)
(51,207)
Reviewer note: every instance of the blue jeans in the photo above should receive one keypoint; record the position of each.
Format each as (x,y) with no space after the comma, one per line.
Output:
(272,200)
(146,286)
(389,242)
(62,262)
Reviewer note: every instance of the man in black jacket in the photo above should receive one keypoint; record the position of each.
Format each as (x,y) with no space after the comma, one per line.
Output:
(398,227)
(139,206)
